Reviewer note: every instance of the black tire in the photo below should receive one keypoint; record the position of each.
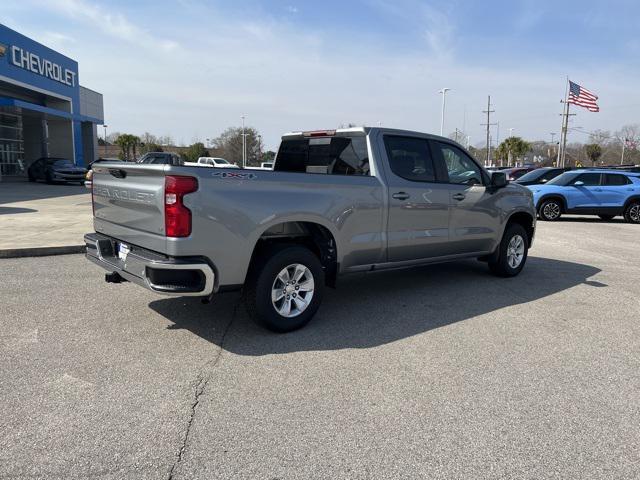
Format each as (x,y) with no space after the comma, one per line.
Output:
(262,279)
(31,178)
(500,264)
(47,177)
(550,210)
(632,212)
(606,217)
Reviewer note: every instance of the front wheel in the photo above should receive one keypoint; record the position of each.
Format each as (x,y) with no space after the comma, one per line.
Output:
(632,212)
(285,293)
(550,210)
(512,252)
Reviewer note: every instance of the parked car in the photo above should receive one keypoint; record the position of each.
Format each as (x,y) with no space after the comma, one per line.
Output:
(605,193)
(338,202)
(216,162)
(541,175)
(54,169)
(514,173)
(161,158)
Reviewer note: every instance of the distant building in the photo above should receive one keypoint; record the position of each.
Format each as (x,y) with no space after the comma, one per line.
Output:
(44,112)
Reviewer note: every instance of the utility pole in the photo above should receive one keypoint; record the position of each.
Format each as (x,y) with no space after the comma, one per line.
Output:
(444,95)
(562,151)
(488,111)
(244,145)
(553,134)
(105,140)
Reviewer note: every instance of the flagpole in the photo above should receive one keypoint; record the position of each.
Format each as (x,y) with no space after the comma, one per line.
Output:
(565,127)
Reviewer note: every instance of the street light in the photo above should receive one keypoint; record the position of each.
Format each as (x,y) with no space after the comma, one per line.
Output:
(105,140)
(511,132)
(444,94)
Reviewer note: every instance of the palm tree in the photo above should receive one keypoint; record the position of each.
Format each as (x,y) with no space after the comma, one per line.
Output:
(594,152)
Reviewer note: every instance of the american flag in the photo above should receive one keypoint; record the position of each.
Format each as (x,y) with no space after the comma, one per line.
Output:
(582,97)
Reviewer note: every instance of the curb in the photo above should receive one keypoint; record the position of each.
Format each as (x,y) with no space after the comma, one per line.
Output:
(41,251)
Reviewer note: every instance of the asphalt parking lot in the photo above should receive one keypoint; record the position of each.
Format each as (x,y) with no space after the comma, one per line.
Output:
(435,372)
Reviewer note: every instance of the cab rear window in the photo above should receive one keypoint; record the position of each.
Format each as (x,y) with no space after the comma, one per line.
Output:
(324,155)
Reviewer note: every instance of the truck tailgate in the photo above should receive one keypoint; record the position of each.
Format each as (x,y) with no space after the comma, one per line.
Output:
(128,203)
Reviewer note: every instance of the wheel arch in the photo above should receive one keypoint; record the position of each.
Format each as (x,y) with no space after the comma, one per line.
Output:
(553,196)
(313,235)
(526,220)
(633,198)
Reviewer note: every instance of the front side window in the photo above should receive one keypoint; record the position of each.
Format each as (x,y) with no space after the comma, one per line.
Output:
(410,158)
(461,168)
(338,155)
(587,179)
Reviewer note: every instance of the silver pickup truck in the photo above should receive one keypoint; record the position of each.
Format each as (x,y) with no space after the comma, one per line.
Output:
(337,202)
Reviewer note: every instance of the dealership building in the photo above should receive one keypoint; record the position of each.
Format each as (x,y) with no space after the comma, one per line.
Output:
(44,112)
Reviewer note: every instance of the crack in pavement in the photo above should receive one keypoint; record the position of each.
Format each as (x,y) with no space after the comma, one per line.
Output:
(201,383)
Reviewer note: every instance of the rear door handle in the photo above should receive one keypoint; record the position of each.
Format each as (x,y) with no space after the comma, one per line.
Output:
(459,196)
(400,195)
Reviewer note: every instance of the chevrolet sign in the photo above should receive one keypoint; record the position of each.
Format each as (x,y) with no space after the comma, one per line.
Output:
(41,66)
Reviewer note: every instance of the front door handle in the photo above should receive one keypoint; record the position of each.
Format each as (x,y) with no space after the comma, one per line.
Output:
(459,196)
(400,195)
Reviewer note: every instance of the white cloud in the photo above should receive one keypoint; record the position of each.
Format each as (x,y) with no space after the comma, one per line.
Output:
(113,24)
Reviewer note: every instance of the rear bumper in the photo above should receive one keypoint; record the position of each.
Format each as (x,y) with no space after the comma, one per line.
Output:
(154,271)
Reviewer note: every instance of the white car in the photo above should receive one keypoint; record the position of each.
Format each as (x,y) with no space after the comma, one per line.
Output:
(216,162)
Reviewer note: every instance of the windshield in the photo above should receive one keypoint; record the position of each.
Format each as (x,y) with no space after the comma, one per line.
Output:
(563,179)
(221,160)
(532,175)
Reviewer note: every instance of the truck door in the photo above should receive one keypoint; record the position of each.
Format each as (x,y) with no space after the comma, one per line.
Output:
(474,214)
(418,205)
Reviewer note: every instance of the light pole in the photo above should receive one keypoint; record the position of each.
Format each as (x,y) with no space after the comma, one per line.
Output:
(511,132)
(468,141)
(444,95)
(244,145)
(105,140)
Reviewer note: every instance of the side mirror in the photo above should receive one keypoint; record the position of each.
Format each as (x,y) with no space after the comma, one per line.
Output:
(579,183)
(498,180)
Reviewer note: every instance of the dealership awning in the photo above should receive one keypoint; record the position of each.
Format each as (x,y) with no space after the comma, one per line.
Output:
(14,102)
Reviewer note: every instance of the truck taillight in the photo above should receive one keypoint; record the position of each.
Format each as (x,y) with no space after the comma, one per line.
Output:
(89,177)
(177,217)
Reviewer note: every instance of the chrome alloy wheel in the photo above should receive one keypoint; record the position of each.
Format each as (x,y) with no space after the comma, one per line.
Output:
(515,251)
(292,290)
(634,213)
(551,210)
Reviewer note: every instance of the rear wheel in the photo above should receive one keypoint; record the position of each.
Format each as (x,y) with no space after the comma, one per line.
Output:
(285,293)
(31,177)
(512,252)
(550,210)
(606,217)
(632,212)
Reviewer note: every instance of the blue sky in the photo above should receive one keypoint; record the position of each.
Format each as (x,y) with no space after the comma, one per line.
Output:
(190,68)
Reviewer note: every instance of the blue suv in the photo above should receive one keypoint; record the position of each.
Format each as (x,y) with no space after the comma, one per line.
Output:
(606,193)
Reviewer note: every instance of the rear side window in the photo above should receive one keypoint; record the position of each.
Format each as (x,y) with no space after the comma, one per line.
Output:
(588,179)
(615,179)
(329,155)
(410,158)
